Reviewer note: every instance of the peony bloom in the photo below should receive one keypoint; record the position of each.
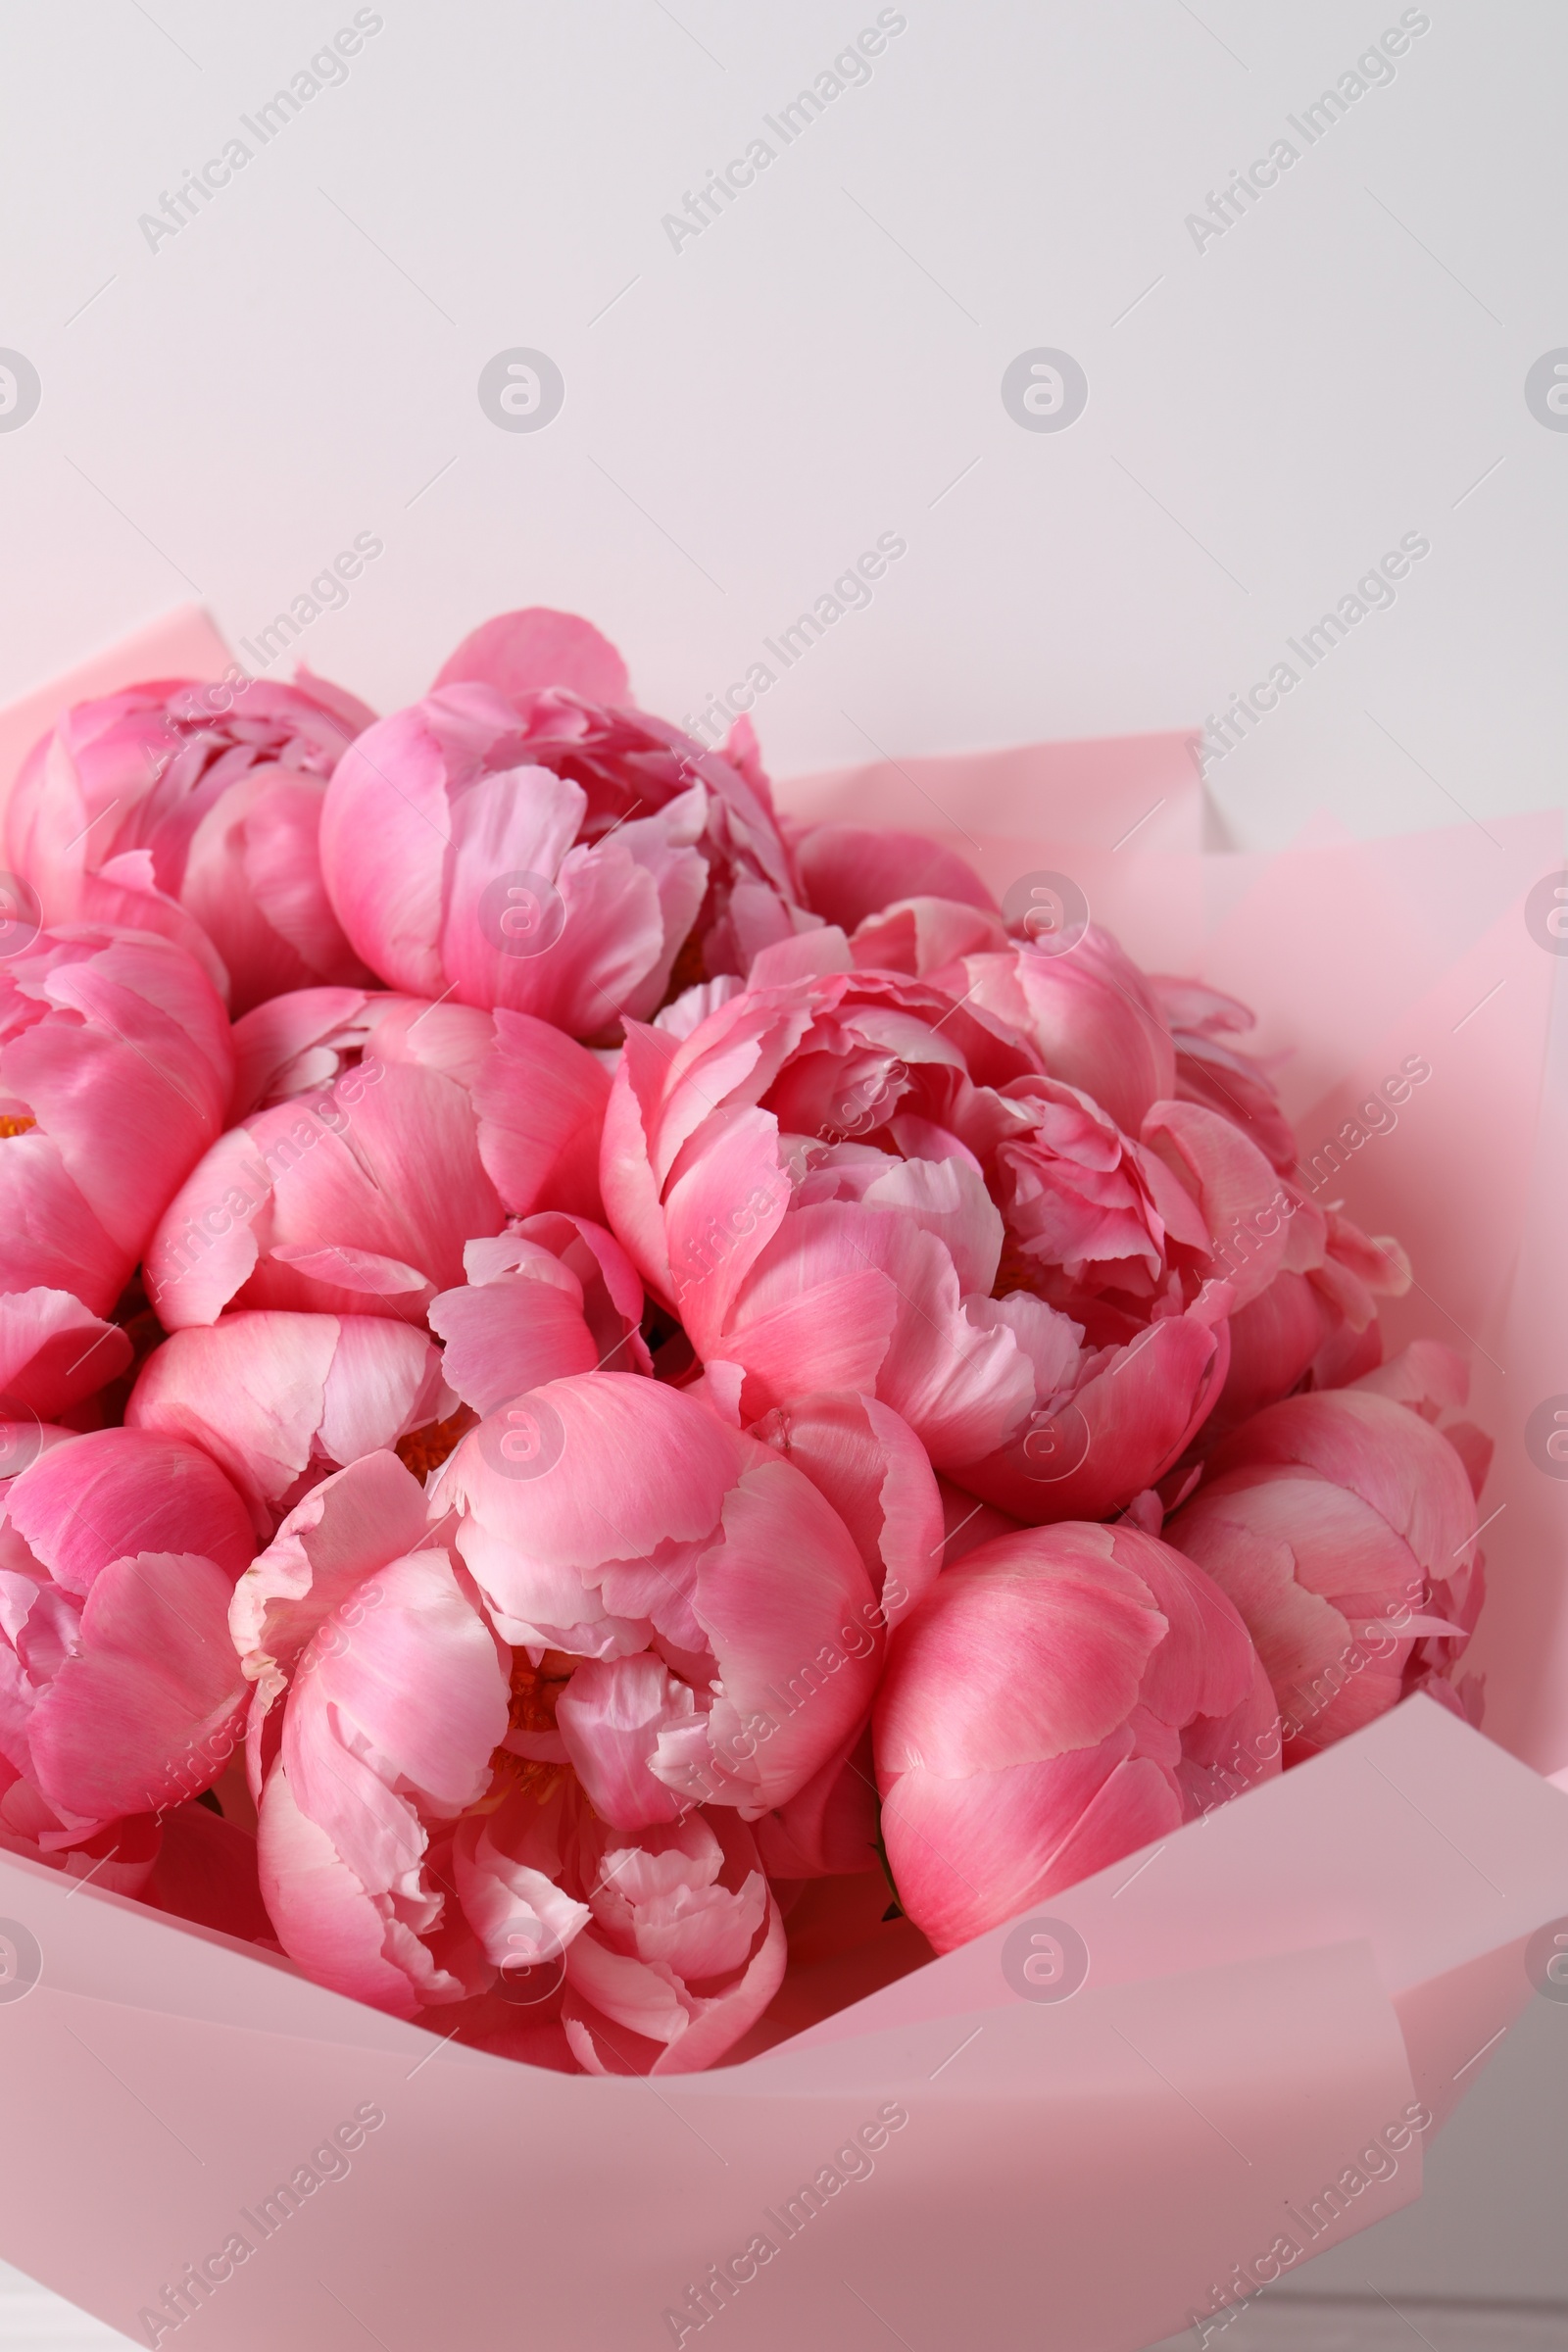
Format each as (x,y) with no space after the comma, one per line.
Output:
(1114,1231)
(1342,1528)
(846,1179)
(423,1127)
(620,1525)
(115,1067)
(1062,1696)
(281,1400)
(1218,1291)
(1093,1016)
(424,1841)
(193,810)
(378,1695)
(120,1691)
(796,1179)
(521,838)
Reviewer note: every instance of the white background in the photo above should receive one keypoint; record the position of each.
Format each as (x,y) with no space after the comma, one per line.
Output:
(1267,415)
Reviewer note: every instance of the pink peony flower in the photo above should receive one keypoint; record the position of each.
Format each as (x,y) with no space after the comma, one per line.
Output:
(848,1179)
(379,1693)
(517,840)
(1248,1295)
(622,1525)
(193,810)
(279,1402)
(1062,1696)
(1342,1528)
(1114,1231)
(357,1196)
(795,1178)
(115,1066)
(424,1842)
(120,1691)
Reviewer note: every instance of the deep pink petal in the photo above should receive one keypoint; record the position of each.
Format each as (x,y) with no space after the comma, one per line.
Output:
(146,1715)
(121,1491)
(53,1352)
(851,871)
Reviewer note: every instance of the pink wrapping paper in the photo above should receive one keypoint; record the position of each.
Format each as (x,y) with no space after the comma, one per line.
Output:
(1266,1997)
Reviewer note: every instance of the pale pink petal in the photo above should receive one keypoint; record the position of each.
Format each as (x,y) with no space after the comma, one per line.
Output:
(249,1389)
(519,652)
(611,1715)
(331,1542)
(521,1917)
(410,1696)
(507,1337)
(385,824)
(541,1102)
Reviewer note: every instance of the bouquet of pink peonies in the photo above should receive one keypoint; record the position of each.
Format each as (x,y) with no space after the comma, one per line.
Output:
(626,1418)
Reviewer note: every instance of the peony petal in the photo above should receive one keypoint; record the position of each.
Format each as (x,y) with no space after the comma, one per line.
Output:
(145,1716)
(519,652)
(121,1491)
(852,871)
